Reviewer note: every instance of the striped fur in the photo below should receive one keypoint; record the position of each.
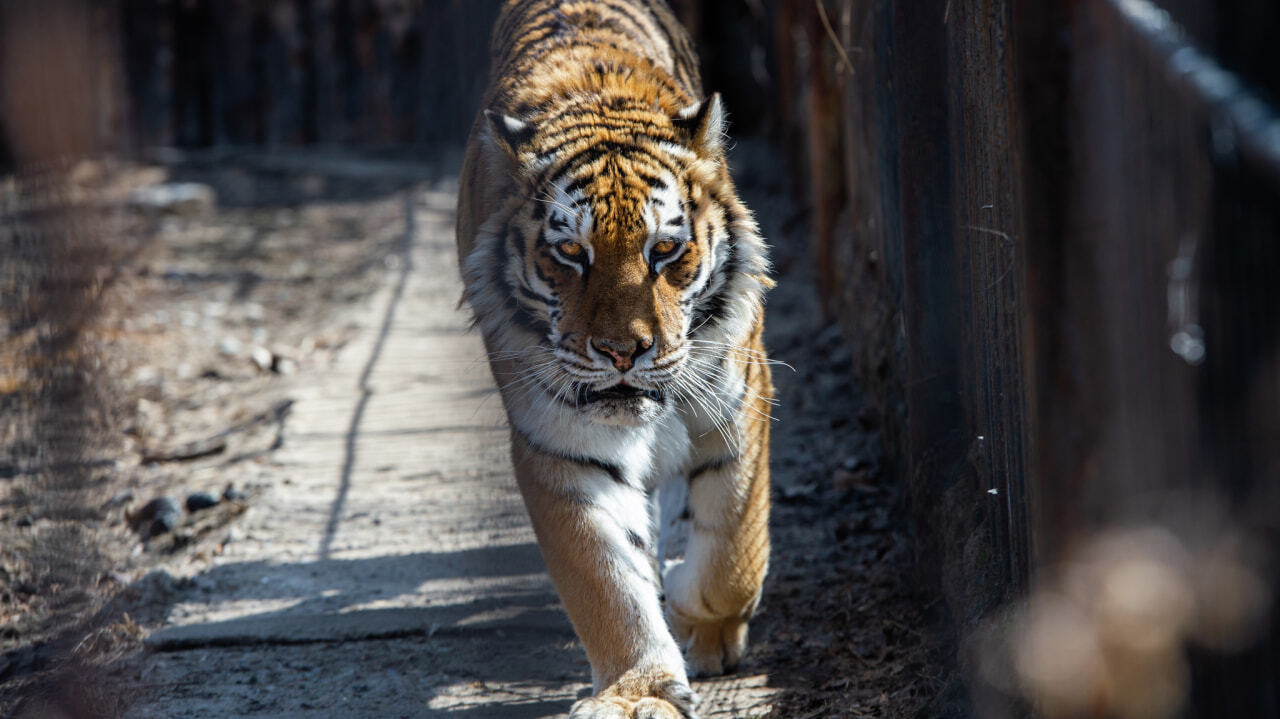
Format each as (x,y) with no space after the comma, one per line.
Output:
(618,282)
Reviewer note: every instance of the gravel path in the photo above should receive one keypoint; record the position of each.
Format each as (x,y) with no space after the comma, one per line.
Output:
(388,567)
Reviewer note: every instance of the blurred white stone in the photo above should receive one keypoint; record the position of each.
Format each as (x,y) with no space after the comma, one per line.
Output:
(179,198)
(261,356)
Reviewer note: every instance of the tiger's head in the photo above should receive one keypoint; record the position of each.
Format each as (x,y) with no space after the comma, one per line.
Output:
(623,261)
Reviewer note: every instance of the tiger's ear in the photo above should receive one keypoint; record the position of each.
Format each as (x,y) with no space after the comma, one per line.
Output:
(704,124)
(508,132)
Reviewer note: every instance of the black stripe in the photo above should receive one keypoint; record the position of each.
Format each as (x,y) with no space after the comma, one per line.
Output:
(574,186)
(518,241)
(511,19)
(654,183)
(713,307)
(533,297)
(633,153)
(585,157)
(581,124)
(662,27)
(637,541)
(613,470)
(522,316)
(590,125)
(537,269)
(622,103)
(553,26)
(606,147)
(711,466)
(642,33)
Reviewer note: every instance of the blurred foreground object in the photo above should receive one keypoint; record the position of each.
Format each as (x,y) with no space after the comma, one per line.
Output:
(1109,631)
(59,413)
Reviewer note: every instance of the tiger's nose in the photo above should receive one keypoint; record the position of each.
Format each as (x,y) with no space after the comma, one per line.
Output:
(623,353)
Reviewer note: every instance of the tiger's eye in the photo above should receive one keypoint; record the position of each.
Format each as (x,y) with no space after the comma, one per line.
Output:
(664,247)
(569,249)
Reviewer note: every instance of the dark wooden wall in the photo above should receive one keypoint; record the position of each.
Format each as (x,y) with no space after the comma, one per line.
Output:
(293,72)
(1055,255)
(357,72)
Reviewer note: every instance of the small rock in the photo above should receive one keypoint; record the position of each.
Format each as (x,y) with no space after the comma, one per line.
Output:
(164,523)
(262,357)
(230,346)
(283,365)
(158,506)
(197,501)
(160,515)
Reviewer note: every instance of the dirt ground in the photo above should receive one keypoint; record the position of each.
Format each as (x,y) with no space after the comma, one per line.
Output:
(243,338)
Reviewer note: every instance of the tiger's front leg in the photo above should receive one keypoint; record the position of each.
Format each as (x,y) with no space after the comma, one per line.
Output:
(593,530)
(712,594)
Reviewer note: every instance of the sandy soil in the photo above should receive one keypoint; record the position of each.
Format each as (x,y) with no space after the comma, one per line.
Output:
(297,342)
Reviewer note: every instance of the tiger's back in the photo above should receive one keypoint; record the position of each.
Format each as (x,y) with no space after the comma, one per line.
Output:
(618,282)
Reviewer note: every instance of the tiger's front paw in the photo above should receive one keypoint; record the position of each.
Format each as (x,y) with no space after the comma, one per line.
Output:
(712,647)
(640,695)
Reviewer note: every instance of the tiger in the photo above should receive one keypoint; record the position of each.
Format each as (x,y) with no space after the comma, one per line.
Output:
(618,282)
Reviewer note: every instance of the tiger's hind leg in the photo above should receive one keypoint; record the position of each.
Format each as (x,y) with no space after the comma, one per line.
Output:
(712,594)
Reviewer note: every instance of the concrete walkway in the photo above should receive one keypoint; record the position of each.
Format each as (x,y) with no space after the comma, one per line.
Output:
(389,570)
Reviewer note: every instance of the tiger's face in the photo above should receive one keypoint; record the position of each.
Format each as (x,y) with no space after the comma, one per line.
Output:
(618,260)
(614,260)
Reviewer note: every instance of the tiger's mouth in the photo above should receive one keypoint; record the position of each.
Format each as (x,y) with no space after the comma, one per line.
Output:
(618,392)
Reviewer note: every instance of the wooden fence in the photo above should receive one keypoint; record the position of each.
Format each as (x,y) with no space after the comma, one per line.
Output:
(1054,245)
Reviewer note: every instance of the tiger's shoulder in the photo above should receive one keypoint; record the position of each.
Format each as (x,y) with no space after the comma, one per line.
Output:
(544,48)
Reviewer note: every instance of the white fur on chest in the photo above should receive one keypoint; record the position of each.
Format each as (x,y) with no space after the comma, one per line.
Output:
(646,455)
